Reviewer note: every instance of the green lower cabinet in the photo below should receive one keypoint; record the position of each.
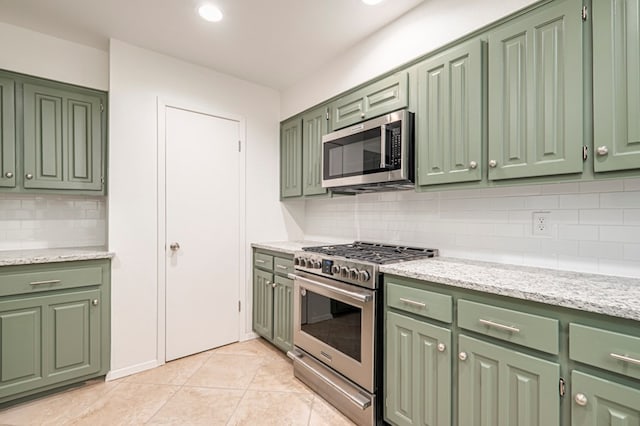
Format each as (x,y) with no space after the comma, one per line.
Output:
(417,372)
(502,387)
(283,313)
(263,303)
(598,402)
(49,339)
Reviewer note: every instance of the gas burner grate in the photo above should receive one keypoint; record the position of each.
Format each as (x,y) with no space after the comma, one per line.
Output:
(374,252)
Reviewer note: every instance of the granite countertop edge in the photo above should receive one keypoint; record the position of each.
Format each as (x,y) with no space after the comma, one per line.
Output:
(601,294)
(53,255)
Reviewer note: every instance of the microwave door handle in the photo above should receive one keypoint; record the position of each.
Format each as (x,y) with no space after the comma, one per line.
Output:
(383,146)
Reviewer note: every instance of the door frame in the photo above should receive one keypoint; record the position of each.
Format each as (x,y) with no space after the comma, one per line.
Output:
(243,291)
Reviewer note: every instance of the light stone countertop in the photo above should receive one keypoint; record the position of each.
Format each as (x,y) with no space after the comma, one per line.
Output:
(28,257)
(603,294)
(289,247)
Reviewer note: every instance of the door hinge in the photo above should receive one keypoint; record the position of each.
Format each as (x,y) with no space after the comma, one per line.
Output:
(585,153)
(562,387)
(101,108)
(239,306)
(102,180)
(239,146)
(585,15)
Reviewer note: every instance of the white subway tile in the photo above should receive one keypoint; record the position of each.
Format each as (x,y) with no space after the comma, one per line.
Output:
(601,250)
(578,232)
(627,200)
(632,252)
(561,188)
(542,202)
(541,260)
(601,217)
(579,201)
(623,268)
(602,186)
(509,230)
(632,184)
(560,247)
(632,216)
(579,264)
(622,234)
(9,204)
(479,216)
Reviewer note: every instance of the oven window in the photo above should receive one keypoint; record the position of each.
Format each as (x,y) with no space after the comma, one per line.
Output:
(333,322)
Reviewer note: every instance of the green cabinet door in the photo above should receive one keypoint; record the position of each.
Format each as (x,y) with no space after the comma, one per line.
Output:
(315,126)
(535,96)
(616,84)
(291,159)
(263,303)
(598,402)
(283,313)
(62,138)
(380,97)
(502,387)
(72,337)
(7,133)
(450,111)
(20,345)
(417,372)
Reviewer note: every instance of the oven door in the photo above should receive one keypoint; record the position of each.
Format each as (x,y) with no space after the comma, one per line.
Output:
(334,322)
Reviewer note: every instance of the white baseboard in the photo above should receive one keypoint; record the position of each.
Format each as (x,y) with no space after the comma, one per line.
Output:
(249,336)
(127,371)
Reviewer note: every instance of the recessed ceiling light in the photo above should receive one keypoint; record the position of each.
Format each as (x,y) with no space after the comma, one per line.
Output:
(371,2)
(210,13)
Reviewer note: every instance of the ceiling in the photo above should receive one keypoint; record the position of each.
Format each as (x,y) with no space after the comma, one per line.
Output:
(274,43)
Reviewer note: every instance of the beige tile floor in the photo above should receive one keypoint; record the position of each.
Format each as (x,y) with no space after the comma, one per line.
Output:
(247,383)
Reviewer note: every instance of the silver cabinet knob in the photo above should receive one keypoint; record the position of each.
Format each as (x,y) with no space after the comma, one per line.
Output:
(463,356)
(29,176)
(267,282)
(174,246)
(8,175)
(493,164)
(473,165)
(581,399)
(362,115)
(95,302)
(602,150)
(441,347)
(274,285)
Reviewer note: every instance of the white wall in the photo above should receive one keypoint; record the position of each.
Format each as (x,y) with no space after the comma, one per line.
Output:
(41,55)
(137,78)
(430,25)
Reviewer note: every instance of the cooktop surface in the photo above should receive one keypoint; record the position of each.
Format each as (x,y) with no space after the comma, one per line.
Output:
(374,252)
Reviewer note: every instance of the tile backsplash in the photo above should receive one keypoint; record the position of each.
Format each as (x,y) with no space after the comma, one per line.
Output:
(595,226)
(49,221)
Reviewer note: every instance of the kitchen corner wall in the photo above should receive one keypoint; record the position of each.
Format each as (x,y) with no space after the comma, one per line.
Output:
(595,226)
(51,221)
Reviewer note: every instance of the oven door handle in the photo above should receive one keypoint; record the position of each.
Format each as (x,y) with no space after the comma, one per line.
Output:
(360,297)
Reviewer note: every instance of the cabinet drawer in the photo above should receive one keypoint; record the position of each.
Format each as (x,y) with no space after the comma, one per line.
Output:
(532,331)
(420,302)
(282,266)
(262,260)
(54,278)
(606,349)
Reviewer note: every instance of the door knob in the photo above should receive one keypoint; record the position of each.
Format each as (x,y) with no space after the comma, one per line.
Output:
(174,246)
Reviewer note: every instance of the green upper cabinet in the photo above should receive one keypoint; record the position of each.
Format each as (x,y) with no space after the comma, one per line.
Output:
(62,138)
(450,125)
(616,84)
(502,387)
(378,98)
(7,133)
(291,158)
(535,96)
(315,126)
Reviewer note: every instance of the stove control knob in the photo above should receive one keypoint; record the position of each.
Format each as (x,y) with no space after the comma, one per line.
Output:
(344,271)
(335,269)
(296,260)
(303,262)
(353,273)
(316,264)
(364,276)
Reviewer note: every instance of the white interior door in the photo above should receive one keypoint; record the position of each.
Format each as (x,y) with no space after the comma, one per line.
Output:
(202,217)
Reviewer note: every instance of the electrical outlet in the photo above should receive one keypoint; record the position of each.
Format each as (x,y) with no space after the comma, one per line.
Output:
(541,224)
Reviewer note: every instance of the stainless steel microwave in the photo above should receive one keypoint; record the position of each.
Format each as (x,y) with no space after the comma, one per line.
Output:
(375,155)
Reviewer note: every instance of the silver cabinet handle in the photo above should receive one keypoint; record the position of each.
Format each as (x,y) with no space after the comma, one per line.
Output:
(95,302)
(581,399)
(274,285)
(282,267)
(463,356)
(499,326)
(602,150)
(174,246)
(260,261)
(45,282)
(413,303)
(29,176)
(441,347)
(8,175)
(625,358)
(493,164)
(473,165)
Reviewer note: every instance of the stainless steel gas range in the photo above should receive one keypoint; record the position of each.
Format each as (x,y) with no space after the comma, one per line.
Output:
(337,331)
